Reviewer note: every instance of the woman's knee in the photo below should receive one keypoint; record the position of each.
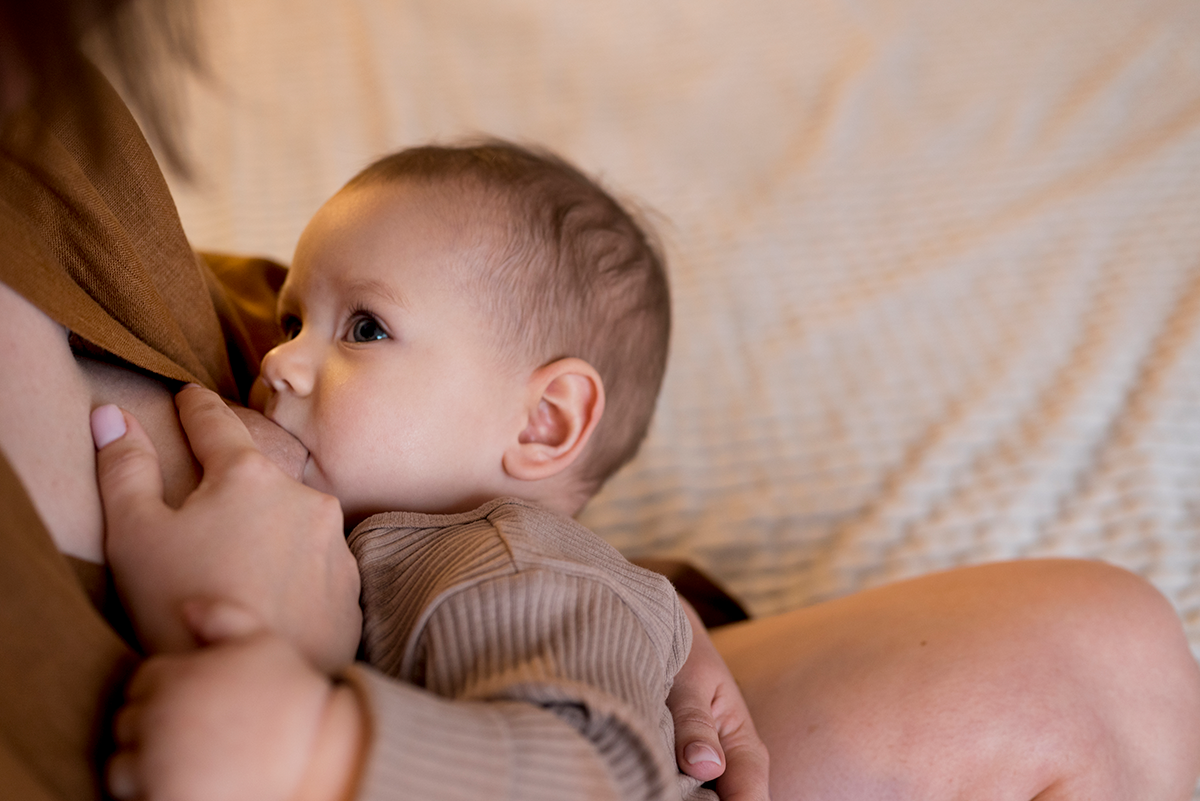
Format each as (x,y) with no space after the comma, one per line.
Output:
(1001,681)
(1127,666)
(1093,667)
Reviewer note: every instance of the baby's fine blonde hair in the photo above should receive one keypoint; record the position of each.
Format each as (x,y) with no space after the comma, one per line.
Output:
(579,276)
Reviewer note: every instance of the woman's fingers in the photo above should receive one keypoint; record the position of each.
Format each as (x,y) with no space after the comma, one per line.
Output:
(748,773)
(697,743)
(714,735)
(218,620)
(127,466)
(213,429)
(270,550)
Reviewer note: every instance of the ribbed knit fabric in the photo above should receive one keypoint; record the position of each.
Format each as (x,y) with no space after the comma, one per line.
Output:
(513,603)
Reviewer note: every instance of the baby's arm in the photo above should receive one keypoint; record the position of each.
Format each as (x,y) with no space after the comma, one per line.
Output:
(569,645)
(253,716)
(250,719)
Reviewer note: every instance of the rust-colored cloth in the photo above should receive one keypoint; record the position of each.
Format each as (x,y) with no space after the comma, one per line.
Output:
(97,245)
(60,665)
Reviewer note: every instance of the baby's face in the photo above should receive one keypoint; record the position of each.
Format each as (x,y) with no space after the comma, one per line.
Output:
(387,376)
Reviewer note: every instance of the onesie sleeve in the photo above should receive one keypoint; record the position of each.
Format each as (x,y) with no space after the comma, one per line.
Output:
(429,747)
(559,692)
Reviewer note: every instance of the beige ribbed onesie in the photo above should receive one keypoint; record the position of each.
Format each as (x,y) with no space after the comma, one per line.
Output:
(568,649)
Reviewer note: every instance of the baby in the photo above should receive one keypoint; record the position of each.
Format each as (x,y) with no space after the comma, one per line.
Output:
(476,336)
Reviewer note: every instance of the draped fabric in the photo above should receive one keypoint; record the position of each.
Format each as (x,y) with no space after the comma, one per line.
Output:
(94,241)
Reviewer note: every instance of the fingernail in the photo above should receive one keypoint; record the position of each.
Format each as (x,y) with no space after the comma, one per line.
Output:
(108,425)
(697,753)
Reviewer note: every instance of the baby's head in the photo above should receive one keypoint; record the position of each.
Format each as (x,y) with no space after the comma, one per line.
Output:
(465,323)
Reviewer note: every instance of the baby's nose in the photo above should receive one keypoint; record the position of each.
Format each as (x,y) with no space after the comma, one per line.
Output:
(286,368)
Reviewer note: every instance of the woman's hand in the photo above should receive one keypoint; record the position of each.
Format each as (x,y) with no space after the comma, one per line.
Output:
(714,735)
(249,535)
(247,718)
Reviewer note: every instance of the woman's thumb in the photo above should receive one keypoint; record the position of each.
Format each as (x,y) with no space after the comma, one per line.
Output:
(126,466)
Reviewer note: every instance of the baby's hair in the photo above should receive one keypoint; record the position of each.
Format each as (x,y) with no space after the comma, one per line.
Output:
(579,277)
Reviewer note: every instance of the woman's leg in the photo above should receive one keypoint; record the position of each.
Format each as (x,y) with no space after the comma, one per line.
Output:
(1039,679)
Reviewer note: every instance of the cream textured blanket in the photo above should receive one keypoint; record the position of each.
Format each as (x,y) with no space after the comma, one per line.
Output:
(936,263)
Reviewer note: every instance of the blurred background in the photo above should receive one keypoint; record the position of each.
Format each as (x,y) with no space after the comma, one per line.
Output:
(935,263)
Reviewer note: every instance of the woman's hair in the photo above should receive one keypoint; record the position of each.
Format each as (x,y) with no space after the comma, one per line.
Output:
(48,45)
(579,277)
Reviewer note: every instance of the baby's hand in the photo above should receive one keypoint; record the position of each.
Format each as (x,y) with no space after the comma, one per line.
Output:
(245,719)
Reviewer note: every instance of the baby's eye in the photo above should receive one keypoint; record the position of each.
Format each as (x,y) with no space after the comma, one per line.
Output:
(365,328)
(290,325)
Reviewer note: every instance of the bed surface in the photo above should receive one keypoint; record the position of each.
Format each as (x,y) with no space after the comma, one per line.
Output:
(936,263)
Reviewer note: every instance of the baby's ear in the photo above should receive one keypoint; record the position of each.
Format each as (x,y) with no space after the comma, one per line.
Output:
(565,402)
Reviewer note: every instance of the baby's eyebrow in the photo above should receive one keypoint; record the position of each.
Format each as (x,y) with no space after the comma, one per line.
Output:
(373,287)
(281,302)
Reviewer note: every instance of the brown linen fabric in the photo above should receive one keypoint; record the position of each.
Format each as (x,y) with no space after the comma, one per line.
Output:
(61,665)
(98,246)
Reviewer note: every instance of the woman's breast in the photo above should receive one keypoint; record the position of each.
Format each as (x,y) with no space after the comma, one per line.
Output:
(46,398)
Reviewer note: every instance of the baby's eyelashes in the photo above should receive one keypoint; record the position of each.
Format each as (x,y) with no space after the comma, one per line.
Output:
(290,325)
(365,328)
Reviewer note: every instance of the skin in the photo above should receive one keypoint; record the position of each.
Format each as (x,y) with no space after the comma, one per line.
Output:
(392,379)
(1053,679)
(1047,680)
(230,541)
(43,385)
(388,378)
(183,705)
(833,724)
